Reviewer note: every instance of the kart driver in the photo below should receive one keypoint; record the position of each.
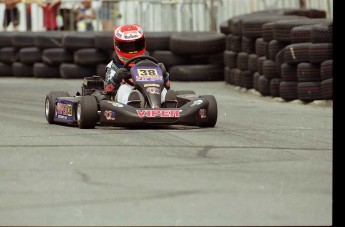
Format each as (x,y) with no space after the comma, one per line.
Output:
(129,42)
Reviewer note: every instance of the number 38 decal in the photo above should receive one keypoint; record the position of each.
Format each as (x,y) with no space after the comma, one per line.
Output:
(147,72)
(148,75)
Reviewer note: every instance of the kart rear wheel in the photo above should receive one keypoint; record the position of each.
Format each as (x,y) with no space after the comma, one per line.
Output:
(50,103)
(87,112)
(212,112)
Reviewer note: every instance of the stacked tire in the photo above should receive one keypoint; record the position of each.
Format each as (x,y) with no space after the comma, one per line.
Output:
(194,56)
(292,57)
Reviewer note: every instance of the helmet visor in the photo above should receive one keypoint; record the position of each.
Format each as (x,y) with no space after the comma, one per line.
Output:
(131,47)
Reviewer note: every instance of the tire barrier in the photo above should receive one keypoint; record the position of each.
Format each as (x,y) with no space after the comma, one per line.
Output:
(284,53)
(292,58)
(65,54)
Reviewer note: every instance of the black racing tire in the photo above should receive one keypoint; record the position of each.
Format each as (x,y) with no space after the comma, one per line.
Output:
(78,40)
(327,89)
(253,63)
(283,28)
(224,27)
(104,40)
(73,71)
(264,86)
(267,32)
(308,72)
(261,61)
(24,39)
(87,112)
(57,56)
(322,33)
(170,59)
(235,24)
(270,69)
(212,112)
(50,103)
(280,59)
(248,45)
(230,59)
(9,55)
(310,13)
(22,70)
(216,59)
(297,53)
(288,90)
(5,69)
(236,43)
(42,70)
(6,39)
(30,55)
(196,73)
(256,77)
(238,78)
(227,75)
(288,72)
(301,34)
(228,42)
(234,75)
(326,70)
(51,39)
(274,87)
(252,26)
(309,91)
(247,79)
(261,47)
(242,60)
(194,43)
(158,40)
(320,52)
(274,47)
(90,56)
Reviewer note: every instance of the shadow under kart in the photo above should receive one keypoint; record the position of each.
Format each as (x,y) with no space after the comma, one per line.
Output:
(94,107)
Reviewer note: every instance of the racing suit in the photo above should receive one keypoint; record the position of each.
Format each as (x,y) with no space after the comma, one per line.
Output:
(114,85)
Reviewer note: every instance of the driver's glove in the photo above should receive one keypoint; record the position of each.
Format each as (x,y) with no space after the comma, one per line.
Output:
(164,71)
(121,74)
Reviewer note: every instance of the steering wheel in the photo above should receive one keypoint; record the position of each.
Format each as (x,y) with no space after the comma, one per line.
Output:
(137,59)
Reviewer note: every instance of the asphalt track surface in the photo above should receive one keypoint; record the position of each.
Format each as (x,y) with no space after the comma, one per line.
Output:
(266,162)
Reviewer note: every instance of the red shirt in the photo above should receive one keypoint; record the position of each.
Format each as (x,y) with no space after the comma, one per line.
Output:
(50,17)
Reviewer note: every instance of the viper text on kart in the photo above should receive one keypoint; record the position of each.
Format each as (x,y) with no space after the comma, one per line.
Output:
(94,107)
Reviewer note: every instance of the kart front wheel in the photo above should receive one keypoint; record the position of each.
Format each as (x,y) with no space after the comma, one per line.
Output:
(212,112)
(87,112)
(50,103)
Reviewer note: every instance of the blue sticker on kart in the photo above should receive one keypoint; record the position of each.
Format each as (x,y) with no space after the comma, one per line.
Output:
(147,73)
(63,110)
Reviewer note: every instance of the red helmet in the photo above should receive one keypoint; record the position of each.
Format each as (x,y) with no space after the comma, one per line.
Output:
(129,41)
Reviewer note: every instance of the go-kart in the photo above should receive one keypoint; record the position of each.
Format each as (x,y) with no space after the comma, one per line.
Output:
(93,106)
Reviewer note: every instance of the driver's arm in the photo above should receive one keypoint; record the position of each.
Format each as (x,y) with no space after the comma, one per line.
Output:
(114,77)
(165,76)
(111,83)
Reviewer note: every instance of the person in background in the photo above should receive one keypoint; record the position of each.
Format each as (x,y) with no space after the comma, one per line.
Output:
(85,15)
(50,12)
(303,4)
(109,14)
(104,15)
(11,14)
